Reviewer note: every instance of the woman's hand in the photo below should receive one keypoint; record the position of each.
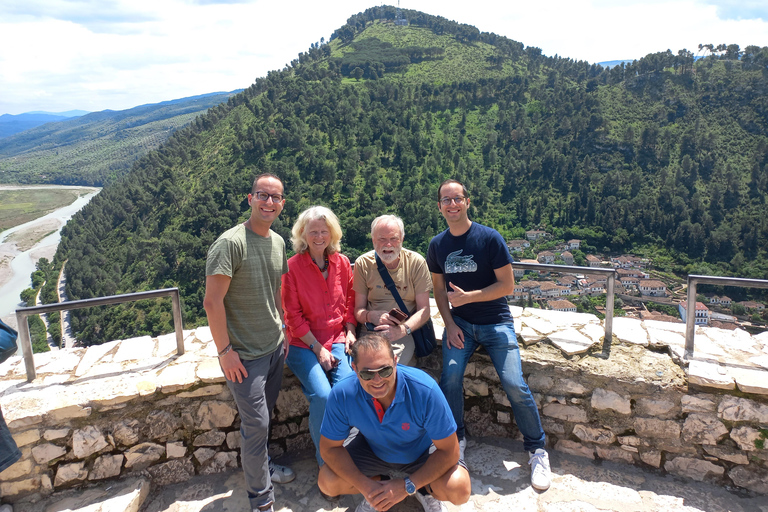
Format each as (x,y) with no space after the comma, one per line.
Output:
(349,340)
(325,358)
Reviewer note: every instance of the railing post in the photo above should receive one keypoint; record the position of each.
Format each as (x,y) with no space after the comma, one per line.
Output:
(26,345)
(609,305)
(690,318)
(177,324)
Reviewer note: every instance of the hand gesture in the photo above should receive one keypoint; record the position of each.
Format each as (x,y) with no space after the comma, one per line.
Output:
(232,367)
(457,297)
(454,336)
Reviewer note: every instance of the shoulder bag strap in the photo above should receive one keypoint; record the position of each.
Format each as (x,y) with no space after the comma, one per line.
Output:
(390,284)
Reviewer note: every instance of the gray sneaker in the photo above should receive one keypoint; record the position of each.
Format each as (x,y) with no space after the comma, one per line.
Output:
(364,506)
(430,503)
(280,474)
(540,473)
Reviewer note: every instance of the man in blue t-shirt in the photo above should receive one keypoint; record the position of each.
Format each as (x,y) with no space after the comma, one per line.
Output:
(404,426)
(472,275)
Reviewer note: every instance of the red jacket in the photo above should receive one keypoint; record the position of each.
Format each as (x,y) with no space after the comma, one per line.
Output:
(312,303)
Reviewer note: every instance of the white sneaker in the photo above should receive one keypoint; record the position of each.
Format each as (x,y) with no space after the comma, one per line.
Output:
(540,473)
(462,448)
(280,474)
(430,503)
(364,506)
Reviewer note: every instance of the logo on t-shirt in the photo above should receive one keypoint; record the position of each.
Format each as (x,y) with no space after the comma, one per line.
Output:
(406,426)
(455,263)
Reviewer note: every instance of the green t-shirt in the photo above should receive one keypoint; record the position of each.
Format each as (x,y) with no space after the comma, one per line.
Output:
(256,265)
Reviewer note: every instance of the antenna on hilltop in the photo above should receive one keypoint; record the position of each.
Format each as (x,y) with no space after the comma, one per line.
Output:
(399,20)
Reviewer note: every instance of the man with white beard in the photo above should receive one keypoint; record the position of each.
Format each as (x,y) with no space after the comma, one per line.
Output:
(374,304)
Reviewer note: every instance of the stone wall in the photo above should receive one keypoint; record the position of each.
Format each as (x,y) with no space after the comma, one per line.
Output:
(132,407)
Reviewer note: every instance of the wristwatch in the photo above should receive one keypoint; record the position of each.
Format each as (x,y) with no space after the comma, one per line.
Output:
(410,488)
(407,330)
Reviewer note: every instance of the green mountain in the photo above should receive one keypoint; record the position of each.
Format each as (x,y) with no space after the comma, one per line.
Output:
(665,157)
(96,148)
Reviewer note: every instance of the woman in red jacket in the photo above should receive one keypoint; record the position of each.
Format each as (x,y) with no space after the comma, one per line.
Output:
(318,302)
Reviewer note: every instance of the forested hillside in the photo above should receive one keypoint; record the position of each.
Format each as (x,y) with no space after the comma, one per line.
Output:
(665,157)
(95,149)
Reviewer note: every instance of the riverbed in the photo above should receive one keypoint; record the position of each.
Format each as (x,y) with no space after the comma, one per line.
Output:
(22,246)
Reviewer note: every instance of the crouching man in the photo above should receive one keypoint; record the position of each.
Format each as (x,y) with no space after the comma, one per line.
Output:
(405,428)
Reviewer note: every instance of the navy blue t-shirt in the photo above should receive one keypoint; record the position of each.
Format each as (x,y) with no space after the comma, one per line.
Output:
(469,261)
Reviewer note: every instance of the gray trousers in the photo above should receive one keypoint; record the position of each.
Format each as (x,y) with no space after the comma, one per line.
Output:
(255,398)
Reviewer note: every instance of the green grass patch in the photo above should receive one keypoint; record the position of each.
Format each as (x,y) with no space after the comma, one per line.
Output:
(20,206)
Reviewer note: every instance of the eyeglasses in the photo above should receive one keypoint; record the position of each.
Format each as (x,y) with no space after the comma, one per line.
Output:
(383,372)
(446,201)
(263,196)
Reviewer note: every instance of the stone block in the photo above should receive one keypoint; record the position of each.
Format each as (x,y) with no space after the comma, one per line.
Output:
(175,450)
(746,438)
(703,429)
(209,371)
(290,404)
(709,375)
(219,463)
(69,474)
(233,440)
(20,469)
(726,454)
(203,455)
(695,469)
(574,448)
(217,414)
(45,453)
(656,408)
(92,355)
(202,391)
(631,441)
(143,455)
(176,378)
(474,387)
(565,412)
(26,437)
(134,349)
(87,441)
(210,438)
(126,432)
(661,429)
(571,342)
(172,472)
(630,330)
(603,399)
(20,487)
(690,403)
(615,454)
(106,466)
(162,424)
(569,387)
(552,427)
(750,477)
(500,397)
(594,435)
(733,408)
(56,433)
(490,374)
(651,457)
(302,442)
(503,417)
(540,383)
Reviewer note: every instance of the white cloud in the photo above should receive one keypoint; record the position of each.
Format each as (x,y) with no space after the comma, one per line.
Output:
(60,55)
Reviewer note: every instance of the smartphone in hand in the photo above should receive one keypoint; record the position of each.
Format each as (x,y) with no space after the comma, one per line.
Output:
(398,315)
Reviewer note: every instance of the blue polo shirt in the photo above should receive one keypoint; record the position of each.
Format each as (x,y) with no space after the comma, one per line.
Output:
(418,414)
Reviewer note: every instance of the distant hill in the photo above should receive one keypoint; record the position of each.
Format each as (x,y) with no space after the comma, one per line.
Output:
(95,148)
(665,157)
(68,113)
(11,124)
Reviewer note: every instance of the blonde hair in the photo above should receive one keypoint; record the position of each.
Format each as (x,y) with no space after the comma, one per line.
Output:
(298,233)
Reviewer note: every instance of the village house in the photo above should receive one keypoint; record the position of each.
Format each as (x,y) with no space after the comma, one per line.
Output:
(518,245)
(532,288)
(562,305)
(720,301)
(593,261)
(567,280)
(546,257)
(535,234)
(567,258)
(592,287)
(652,288)
(702,312)
(633,272)
(519,293)
(751,305)
(629,281)
(574,244)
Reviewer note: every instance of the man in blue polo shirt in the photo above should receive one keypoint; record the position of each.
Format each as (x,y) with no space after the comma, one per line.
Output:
(405,427)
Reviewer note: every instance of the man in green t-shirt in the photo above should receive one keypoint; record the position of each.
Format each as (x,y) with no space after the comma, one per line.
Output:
(242,301)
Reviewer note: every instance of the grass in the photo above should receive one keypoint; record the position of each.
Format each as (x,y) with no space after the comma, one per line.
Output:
(24,205)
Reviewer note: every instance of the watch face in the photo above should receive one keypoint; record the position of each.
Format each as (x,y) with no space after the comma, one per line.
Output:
(410,488)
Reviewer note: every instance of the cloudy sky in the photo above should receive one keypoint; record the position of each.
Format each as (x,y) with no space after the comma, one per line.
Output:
(59,55)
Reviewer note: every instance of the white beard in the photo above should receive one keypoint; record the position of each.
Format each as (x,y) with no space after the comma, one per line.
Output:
(389,258)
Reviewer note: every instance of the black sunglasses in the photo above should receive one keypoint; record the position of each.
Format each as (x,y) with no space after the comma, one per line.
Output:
(383,372)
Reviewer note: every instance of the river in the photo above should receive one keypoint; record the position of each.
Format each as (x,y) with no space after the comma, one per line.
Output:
(23,264)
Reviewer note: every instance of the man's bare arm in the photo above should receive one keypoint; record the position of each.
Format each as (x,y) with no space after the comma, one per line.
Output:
(216,287)
(504,285)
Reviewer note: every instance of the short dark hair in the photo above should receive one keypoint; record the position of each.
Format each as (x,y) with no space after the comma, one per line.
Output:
(448,182)
(265,175)
(371,342)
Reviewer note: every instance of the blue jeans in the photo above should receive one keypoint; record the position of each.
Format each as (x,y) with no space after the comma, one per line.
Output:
(316,384)
(500,342)
(9,452)
(255,398)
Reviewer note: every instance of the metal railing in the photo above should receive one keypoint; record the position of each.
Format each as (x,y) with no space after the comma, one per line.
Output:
(690,318)
(611,283)
(23,313)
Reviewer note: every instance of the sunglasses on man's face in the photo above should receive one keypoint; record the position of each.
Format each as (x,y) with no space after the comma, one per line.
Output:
(383,372)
